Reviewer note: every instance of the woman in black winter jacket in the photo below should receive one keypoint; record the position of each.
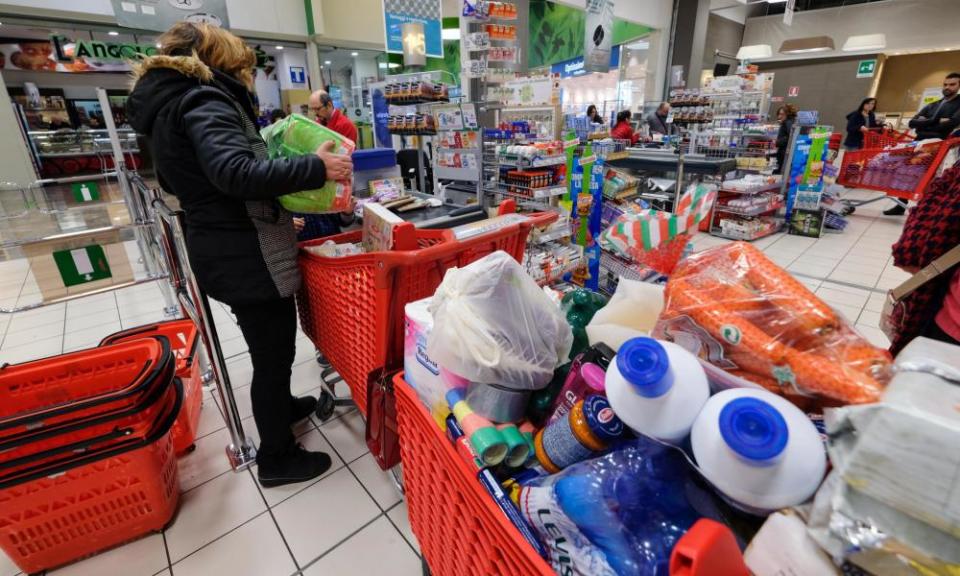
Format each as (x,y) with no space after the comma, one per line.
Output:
(193,101)
(786,116)
(858,122)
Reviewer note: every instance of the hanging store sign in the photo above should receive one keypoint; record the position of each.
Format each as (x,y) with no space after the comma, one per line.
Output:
(60,54)
(160,15)
(788,12)
(396,13)
(578,67)
(599,35)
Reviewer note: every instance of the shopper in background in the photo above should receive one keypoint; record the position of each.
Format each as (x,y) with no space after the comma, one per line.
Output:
(277,115)
(786,116)
(930,231)
(321,106)
(657,120)
(623,129)
(193,101)
(938,119)
(593,115)
(860,121)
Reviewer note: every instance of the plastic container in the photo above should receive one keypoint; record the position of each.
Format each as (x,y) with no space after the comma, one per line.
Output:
(184,341)
(657,388)
(91,501)
(352,308)
(584,378)
(372,159)
(758,450)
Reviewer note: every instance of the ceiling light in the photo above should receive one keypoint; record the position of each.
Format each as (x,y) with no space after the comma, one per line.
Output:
(354,54)
(327,62)
(776,1)
(279,47)
(865,42)
(754,52)
(113,33)
(450,33)
(393,65)
(640,45)
(807,45)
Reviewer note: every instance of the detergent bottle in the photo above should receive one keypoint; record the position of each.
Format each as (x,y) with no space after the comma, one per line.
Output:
(657,388)
(758,450)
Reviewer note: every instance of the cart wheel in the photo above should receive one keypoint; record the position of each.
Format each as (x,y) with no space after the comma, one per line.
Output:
(849,210)
(325,406)
(322,361)
(424,566)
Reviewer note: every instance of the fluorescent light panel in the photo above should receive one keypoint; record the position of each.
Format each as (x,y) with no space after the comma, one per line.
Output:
(754,52)
(807,45)
(865,42)
(450,33)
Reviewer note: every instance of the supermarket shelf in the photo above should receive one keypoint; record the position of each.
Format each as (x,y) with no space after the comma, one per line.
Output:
(451,173)
(72,179)
(769,188)
(79,154)
(537,193)
(753,211)
(541,163)
(720,234)
(551,236)
(415,101)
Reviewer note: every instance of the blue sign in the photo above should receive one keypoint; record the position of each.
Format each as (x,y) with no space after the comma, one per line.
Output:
(576,66)
(298,75)
(431,33)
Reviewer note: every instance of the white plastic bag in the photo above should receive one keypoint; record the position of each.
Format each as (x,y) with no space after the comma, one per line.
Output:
(632,311)
(492,324)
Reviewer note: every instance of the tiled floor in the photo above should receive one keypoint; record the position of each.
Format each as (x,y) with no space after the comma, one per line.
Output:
(351,521)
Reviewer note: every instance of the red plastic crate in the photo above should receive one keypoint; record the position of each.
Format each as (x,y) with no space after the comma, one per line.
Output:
(459,527)
(184,341)
(91,502)
(352,307)
(42,395)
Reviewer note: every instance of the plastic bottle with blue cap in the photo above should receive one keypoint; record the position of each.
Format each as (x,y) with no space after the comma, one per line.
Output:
(758,450)
(657,388)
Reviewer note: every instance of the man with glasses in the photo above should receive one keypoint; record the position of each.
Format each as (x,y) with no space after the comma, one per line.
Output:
(322,108)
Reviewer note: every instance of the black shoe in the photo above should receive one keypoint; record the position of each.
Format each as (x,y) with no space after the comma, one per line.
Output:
(292,466)
(303,407)
(897,210)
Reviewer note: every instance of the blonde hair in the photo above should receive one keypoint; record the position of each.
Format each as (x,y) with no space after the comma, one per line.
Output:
(213,46)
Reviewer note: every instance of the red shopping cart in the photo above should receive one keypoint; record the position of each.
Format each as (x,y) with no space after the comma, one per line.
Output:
(352,307)
(884,138)
(902,172)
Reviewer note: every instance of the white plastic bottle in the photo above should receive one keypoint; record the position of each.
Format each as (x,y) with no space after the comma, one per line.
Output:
(758,449)
(657,388)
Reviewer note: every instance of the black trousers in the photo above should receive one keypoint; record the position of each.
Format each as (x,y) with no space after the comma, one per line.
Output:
(270,329)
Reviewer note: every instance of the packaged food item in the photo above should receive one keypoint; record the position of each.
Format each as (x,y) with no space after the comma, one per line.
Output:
(657,388)
(738,311)
(295,136)
(758,450)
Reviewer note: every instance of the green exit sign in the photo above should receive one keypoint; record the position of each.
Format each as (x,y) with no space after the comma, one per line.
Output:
(866,68)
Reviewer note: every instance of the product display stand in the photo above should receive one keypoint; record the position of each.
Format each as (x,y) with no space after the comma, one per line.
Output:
(458,154)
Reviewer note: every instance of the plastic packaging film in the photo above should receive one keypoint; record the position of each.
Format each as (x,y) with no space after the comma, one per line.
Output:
(741,313)
(295,136)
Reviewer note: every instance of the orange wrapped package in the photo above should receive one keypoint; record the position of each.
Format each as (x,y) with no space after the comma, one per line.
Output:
(746,316)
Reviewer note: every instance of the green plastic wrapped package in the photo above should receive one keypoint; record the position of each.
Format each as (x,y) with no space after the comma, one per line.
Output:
(295,136)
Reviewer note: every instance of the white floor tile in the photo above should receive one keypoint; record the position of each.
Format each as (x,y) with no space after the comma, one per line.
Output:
(91,305)
(254,549)
(377,482)
(7,567)
(30,335)
(812,270)
(874,335)
(98,318)
(323,515)
(849,313)
(33,351)
(143,557)
(398,514)
(347,434)
(831,293)
(142,319)
(352,558)
(89,337)
(211,419)
(207,461)
(876,302)
(212,510)
(868,318)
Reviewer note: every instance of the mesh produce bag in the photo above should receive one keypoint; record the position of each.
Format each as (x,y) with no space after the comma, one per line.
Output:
(295,136)
(750,320)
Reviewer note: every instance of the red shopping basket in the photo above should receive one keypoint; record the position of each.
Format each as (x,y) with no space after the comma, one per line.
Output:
(903,172)
(42,394)
(884,138)
(61,512)
(352,307)
(47,441)
(459,527)
(182,335)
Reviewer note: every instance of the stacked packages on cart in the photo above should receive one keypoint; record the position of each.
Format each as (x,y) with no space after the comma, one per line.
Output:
(603,432)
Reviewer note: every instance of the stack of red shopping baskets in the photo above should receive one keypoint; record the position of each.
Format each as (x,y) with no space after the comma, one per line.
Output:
(86,452)
(885,138)
(901,172)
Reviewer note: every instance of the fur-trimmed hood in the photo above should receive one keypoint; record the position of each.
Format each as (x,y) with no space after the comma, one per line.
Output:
(189,66)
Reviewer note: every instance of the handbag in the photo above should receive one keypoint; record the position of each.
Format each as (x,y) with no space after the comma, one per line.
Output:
(382,433)
(895,306)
